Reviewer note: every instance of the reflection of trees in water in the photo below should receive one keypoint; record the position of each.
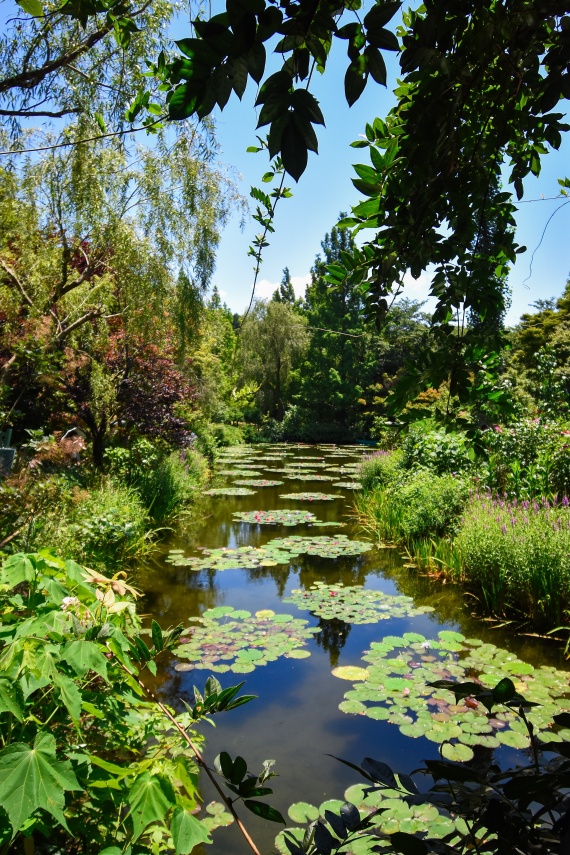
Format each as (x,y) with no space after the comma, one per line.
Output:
(279,574)
(332,637)
(348,571)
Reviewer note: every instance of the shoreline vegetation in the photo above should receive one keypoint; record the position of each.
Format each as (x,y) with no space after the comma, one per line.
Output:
(497,525)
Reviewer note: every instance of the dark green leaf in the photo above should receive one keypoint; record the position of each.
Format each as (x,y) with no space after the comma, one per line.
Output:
(264,811)
(157,639)
(354,82)
(408,844)
(293,151)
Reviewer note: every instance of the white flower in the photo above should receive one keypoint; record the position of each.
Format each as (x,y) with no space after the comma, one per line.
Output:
(426,645)
(69,602)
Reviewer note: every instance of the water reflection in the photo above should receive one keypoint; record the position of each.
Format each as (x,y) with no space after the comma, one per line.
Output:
(296,719)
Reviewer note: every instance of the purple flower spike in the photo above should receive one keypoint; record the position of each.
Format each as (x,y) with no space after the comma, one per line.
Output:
(565,501)
(504,529)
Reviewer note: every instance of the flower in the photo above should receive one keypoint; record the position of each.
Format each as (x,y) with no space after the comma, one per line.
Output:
(68,602)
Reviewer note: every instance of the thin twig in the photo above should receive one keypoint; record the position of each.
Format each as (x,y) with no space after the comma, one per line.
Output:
(85,140)
(197,754)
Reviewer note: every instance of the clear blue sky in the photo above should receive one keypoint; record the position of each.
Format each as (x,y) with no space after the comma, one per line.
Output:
(326,189)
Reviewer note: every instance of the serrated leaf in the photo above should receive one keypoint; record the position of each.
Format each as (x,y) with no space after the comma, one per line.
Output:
(70,696)
(32,778)
(84,656)
(187,831)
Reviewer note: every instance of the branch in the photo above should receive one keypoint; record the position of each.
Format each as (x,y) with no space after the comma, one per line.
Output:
(50,114)
(88,316)
(199,758)
(12,275)
(85,140)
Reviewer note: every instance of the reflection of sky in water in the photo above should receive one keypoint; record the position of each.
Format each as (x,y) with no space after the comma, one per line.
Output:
(296,719)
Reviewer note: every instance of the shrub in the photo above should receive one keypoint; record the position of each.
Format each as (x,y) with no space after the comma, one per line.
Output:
(380,468)
(422,506)
(516,556)
(226,435)
(435,450)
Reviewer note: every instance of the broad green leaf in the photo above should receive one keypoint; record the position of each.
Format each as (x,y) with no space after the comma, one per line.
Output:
(32,778)
(17,569)
(187,832)
(84,656)
(32,7)
(150,799)
(11,698)
(70,696)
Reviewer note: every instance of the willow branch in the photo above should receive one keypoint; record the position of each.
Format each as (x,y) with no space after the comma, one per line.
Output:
(13,276)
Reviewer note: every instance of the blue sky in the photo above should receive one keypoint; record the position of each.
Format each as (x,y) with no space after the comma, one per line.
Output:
(326,189)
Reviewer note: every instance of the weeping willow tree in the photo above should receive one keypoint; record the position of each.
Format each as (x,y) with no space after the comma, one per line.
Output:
(89,243)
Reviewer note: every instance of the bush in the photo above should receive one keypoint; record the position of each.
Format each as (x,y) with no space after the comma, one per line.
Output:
(110,525)
(165,482)
(226,435)
(516,556)
(422,506)
(380,469)
(435,450)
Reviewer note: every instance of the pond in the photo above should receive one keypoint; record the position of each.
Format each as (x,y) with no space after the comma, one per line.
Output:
(289,662)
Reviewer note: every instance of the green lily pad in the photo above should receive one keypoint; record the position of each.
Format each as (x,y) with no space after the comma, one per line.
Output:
(311,497)
(247,473)
(323,546)
(396,690)
(350,672)
(257,482)
(229,491)
(241,640)
(275,517)
(348,485)
(353,604)
(303,812)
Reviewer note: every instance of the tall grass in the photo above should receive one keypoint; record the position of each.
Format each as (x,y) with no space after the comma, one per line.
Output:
(516,556)
(379,469)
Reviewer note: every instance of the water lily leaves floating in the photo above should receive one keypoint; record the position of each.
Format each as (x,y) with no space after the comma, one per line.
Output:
(311,497)
(354,604)
(323,546)
(396,816)
(247,473)
(262,482)
(227,639)
(350,672)
(396,690)
(277,551)
(229,491)
(275,517)
(309,476)
(348,485)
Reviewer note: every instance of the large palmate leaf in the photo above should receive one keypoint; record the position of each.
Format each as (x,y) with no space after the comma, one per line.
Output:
(32,778)
(187,832)
(84,656)
(150,798)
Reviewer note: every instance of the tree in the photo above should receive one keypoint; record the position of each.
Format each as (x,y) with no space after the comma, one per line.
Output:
(77,59)
(273,338)
(285,293)
(330,382)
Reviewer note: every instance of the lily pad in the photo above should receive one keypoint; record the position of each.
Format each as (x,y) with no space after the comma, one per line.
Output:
(397,690)
(247,473)
(303,812)
(233,640)
(348,485)
(350,672)
(229,491)
(353,604)
(309,477)
(311,497)
(275,517)
(258,482)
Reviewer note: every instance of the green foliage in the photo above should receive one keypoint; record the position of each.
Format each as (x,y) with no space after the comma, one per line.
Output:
(380,469)
(515,557)
(435,450)
(87,753)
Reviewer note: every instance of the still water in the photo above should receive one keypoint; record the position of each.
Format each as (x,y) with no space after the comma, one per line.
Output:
(295,719)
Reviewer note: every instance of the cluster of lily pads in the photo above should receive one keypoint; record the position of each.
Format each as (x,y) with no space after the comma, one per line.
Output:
(282,550)
(258,482)
(275,517)
(348,485)
(353,604)
(227,639)
(247,473)
(229,491)
(397,815)
(311,497)
(393,687)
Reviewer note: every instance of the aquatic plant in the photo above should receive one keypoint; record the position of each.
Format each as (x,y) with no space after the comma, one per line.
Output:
(226,639)
(275,517)
(229,491)
(348,485)
(311,497)
(397,690)
(257,482)
(353,604)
